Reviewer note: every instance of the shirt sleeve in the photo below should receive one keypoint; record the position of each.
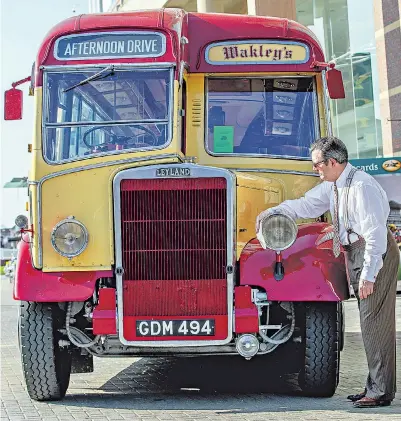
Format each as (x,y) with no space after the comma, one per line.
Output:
(314,204)
(372,211)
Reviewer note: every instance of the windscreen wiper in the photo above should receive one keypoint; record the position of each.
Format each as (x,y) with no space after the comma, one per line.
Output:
(96,76)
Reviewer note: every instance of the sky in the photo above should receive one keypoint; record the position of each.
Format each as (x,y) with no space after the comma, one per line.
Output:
(23,25)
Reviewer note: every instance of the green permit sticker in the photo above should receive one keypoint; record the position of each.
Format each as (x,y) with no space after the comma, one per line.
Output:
(223,139)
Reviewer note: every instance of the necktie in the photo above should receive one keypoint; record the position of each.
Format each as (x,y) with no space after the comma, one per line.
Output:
(336,224)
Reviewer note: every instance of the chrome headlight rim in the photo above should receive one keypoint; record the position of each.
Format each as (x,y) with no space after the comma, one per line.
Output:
(291,221)
(85,233)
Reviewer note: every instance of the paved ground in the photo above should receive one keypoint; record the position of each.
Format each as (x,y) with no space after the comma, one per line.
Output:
(217,388)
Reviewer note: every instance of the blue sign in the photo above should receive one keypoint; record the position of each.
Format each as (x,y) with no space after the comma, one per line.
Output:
(375,166)
(106,45)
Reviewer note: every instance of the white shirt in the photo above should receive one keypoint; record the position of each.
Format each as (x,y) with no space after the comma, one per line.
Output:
(368,210)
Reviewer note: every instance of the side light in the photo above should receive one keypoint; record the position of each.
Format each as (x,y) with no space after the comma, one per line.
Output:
(21,221)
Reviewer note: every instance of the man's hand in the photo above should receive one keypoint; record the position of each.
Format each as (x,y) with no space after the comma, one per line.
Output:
(261,217)
(365,288)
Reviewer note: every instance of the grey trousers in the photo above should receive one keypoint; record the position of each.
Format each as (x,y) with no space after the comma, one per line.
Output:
(377,318)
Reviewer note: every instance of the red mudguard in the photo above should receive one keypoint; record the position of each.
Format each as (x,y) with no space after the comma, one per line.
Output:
(34,285)
(311,272)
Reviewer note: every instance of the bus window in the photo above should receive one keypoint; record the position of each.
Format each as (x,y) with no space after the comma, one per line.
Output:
(123,110)
(254,116)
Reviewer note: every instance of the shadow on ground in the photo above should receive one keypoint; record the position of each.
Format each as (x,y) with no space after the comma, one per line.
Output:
(228,385)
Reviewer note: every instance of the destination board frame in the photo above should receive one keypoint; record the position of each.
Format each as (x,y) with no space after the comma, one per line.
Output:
(112,34)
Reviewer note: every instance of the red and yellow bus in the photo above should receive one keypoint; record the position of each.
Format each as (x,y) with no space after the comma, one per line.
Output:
(159,137)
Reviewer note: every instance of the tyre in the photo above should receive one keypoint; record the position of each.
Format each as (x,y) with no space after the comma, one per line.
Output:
(342,325)
(45,365)
(319,376)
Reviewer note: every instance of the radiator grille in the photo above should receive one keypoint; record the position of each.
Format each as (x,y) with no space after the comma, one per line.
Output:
(174,246)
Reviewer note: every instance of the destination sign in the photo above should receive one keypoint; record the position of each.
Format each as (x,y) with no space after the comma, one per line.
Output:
(257,52)
(105,45)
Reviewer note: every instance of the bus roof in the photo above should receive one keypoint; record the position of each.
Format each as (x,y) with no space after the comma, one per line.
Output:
(207,28)
(189,35)
(165,20)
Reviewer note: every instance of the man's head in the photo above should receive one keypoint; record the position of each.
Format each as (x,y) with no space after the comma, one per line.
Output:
(329,157)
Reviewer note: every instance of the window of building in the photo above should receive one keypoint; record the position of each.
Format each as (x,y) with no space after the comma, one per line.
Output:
(346,31)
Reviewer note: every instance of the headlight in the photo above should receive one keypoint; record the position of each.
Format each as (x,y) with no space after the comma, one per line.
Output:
(278,232)
(69,238)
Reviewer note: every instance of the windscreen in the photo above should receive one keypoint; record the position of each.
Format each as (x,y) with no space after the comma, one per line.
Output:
(87,113)
(261,116)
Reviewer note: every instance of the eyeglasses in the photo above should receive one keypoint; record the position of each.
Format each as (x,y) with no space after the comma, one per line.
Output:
(318,164)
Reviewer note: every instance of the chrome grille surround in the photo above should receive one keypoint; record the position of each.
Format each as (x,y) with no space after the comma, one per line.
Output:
(196,171)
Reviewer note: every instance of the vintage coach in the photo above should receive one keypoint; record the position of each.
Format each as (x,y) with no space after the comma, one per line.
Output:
(159,137)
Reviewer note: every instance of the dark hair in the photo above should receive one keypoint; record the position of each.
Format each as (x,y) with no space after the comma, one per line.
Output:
(331,147)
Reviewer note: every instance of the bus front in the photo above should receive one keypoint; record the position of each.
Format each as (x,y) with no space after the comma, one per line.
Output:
(106,108)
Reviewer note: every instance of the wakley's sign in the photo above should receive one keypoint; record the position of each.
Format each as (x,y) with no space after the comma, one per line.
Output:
(110,45)
(257,52)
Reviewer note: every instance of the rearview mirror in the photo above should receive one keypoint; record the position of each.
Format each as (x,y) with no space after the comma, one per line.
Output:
(335,84)
(13,104)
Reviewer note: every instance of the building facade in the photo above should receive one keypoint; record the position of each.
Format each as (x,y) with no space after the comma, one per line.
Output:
(395,214)
(362,37)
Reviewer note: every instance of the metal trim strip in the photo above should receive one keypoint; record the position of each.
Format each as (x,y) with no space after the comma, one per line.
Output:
(327,105)
(275,171)
(95,66)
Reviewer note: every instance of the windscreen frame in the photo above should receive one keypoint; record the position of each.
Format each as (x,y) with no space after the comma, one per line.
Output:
(118,67)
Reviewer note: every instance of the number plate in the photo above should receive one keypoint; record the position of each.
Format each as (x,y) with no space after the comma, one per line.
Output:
(191,327)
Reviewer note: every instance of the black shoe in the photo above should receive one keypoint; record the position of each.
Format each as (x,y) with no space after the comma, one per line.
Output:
(355,398)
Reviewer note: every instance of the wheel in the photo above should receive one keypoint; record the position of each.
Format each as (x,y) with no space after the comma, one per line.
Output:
(45,365)
(319,376)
